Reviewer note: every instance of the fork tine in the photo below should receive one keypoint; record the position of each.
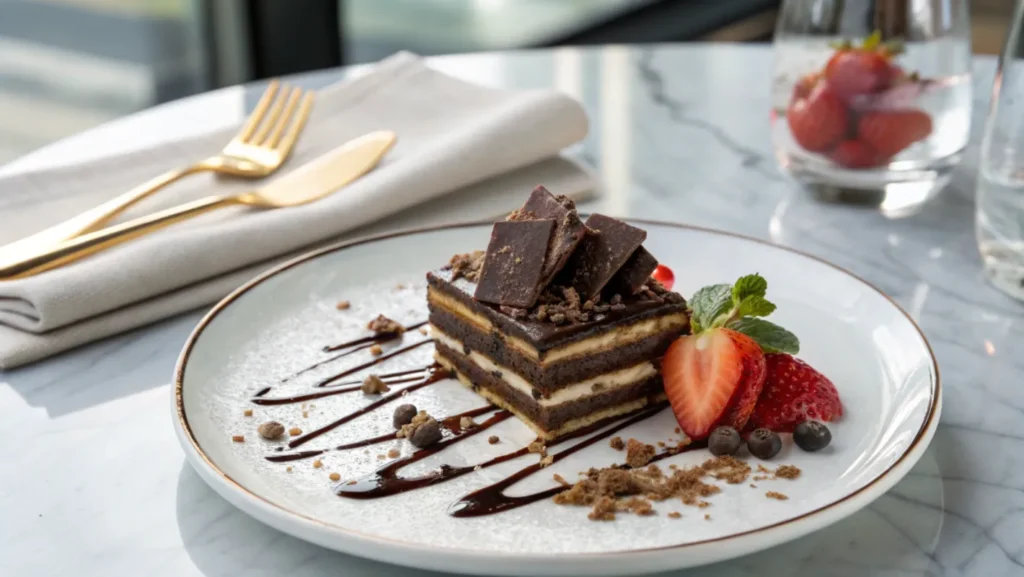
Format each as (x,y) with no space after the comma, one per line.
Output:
(286,116)
(257,113)
(295,128)
(272,115)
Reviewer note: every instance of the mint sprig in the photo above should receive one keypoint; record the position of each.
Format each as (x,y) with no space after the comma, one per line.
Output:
(738,307)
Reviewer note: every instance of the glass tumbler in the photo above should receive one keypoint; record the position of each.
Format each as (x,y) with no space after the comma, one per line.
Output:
(999,204)
(871,99)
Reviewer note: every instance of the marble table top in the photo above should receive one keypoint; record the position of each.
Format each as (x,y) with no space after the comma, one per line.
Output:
(94,483)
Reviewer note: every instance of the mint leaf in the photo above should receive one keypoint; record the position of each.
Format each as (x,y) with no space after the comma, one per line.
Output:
(771,337)
(711,302)
(755,306)
(747,286)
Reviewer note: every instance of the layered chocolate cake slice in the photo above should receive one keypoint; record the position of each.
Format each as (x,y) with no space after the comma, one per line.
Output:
(558,321)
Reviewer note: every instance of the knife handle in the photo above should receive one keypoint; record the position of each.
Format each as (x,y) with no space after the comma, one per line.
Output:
(94,218)
(46,258)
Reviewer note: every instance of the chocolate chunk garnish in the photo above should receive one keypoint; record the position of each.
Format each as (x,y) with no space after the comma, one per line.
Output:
(511,274)
(602,254)
(633,275)
(569,230)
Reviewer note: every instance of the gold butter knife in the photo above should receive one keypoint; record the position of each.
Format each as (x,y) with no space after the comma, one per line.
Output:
(321,177)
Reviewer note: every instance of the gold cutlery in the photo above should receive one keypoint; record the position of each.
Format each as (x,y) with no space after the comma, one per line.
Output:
(309,183)
(260,147)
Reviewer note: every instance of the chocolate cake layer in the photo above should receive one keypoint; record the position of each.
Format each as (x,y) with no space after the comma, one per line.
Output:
(543,338)
(549,421)
(551,376)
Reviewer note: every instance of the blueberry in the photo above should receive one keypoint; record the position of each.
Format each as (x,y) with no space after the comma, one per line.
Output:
(764,444)
(724,441)
(811,436)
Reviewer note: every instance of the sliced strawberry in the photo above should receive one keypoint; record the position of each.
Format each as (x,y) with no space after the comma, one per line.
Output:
(713,379)
(664,275)
(856,71)
(890,131)
(855,154)
(794,392)
(819,121)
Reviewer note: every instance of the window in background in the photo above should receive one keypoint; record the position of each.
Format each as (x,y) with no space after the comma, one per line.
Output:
(68,65)
(373,29)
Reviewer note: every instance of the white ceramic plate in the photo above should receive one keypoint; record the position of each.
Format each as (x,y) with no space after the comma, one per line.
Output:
(278,324)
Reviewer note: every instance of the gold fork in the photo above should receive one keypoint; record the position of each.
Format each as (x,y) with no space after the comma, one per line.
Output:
(260,147)
(308,183)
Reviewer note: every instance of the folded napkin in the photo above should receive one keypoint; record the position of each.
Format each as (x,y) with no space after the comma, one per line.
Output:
(482,149)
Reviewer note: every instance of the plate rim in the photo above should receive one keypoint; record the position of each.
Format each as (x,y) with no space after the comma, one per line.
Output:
(192,448)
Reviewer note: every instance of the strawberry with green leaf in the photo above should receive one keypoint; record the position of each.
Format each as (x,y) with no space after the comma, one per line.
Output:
(714,376)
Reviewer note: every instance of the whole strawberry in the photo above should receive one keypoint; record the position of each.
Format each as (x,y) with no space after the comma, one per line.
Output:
(714,376)
(793,393)
(819,120)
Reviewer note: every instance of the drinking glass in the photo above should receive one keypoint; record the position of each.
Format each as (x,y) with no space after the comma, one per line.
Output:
(871,99)
(999,209)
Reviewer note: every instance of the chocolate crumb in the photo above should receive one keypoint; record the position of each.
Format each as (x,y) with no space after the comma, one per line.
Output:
(423,330)
(288,468)
(305,414)
(787,472)
(376,350)
(617,443)
(536,394)
(597,387)
(537,447)
(493,439)
(707,517)
(467,265)
(466,423)
(271,430)
(753,486)
(678,430)
(762,469)
(661,444)
(335,477)
(559,318)
(776,495)
(381,456)
(638,454)
(374,385)
(400,286)
(382,325)
(238,438)
(294,431)
(514,312)
(247,412)
(343,305)
(675,515)
(317,464)
(394,453)
(409,428)
(547,460)
(561,480)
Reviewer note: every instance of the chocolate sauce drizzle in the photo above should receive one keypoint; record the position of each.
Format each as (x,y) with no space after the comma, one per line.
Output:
(385,481)
(350,347)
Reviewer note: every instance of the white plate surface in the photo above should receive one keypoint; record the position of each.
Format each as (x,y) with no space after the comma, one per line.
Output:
(277,325)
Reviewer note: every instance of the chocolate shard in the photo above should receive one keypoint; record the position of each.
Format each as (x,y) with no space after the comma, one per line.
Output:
(569,229)
(604,250)
(513,266)
(635,273)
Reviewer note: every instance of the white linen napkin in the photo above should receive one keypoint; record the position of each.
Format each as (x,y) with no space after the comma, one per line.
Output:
(489,147)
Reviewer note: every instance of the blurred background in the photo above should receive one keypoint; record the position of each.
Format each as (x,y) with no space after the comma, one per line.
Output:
(67,65)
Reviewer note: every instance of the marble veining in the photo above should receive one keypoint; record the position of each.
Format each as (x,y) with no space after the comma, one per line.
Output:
(94,483)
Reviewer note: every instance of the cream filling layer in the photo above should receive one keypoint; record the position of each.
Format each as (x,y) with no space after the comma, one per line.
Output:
(582,389)
(604,341)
